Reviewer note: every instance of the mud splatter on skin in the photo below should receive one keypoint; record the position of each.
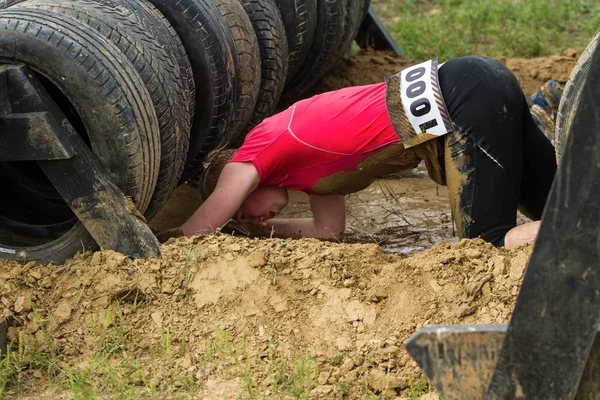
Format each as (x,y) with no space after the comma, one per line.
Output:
(393,158)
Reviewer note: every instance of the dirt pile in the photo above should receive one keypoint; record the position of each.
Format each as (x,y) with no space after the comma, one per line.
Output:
(348,308)
(370,66)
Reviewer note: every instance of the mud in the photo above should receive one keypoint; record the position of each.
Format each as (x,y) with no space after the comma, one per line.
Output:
(351,302)
(370,66)
(349,306)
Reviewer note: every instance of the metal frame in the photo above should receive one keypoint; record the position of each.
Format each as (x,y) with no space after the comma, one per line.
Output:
(550,348)
(373,34)
(32,127)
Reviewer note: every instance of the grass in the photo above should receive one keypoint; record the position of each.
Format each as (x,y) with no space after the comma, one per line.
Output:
(115,369)
(511,28)
(114,372)
(419,387)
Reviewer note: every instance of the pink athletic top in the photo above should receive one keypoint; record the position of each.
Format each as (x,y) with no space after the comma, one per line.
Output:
(325,144)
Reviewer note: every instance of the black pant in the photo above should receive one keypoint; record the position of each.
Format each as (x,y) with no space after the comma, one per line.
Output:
(496,159)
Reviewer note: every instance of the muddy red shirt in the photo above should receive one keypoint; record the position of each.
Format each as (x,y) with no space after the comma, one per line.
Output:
(336,142)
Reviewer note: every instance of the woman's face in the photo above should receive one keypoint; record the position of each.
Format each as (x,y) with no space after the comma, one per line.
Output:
(263,204)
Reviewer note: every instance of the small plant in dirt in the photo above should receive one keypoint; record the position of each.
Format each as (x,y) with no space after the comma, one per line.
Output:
(112,332)
(23,360)
(342,389)
(335,361)
(419,387)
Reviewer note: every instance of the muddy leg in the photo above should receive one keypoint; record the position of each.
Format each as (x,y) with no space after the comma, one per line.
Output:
(484,156)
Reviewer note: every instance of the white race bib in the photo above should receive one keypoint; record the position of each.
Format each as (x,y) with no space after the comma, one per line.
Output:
(422,102)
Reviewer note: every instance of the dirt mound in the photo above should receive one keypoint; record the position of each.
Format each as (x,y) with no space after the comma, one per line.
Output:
(345,309)
(370,66)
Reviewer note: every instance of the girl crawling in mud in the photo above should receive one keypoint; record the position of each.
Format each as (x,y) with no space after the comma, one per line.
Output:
(493,160)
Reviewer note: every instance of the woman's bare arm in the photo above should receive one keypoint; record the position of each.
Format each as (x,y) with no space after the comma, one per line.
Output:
(235,183)
(328,222)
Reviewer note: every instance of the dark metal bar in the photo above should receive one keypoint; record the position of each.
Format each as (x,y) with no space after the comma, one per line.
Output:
(554,323)
(75,172)
(30,137)
(459,360)
(373,34)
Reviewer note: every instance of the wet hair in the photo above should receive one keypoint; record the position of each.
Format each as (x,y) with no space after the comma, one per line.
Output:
(216,161)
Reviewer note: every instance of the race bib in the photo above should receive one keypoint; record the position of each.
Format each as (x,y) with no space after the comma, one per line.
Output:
(415,104)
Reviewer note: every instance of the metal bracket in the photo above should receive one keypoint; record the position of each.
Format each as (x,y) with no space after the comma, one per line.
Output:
(459,360)
(373,34)
(550,349)
(35,128)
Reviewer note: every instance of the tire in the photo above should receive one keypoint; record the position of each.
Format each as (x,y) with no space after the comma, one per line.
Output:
(365,10)
(162,79)
(569,102)
(300,21)
(248,51)
(352,19)
(209,46)
(268,25)
(330,30)
(113,107)
(152,20)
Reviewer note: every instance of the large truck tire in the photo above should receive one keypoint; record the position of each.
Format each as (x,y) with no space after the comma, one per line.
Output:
(248,51)
(107,103)
(329,33)
(300,20)
(569,102)
(272,40)
(162,79)
(209,46)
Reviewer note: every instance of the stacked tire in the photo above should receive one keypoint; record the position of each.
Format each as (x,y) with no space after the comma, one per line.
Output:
(153,86)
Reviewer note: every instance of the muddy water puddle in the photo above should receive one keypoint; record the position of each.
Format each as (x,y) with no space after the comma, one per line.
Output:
(402,214)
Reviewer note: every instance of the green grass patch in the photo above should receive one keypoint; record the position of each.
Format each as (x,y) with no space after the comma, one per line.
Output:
(115,370)
(419,387)
(511,28)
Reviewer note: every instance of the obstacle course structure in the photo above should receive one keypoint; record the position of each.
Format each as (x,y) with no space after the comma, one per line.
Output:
(551,348)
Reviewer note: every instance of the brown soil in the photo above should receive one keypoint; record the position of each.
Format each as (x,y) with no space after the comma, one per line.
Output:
(306,297)
(369,67)
(351,306)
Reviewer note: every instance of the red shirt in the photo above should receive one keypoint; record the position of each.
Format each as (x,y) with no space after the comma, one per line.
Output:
(316,138)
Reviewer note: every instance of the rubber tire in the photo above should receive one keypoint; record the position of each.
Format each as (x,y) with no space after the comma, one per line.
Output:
(152,20)
(300,21)
(569,102)
(352,18)
(272,40)
(209,46)
(248,51)
(110,98)
(365,10)
(330,30)
(114,23)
